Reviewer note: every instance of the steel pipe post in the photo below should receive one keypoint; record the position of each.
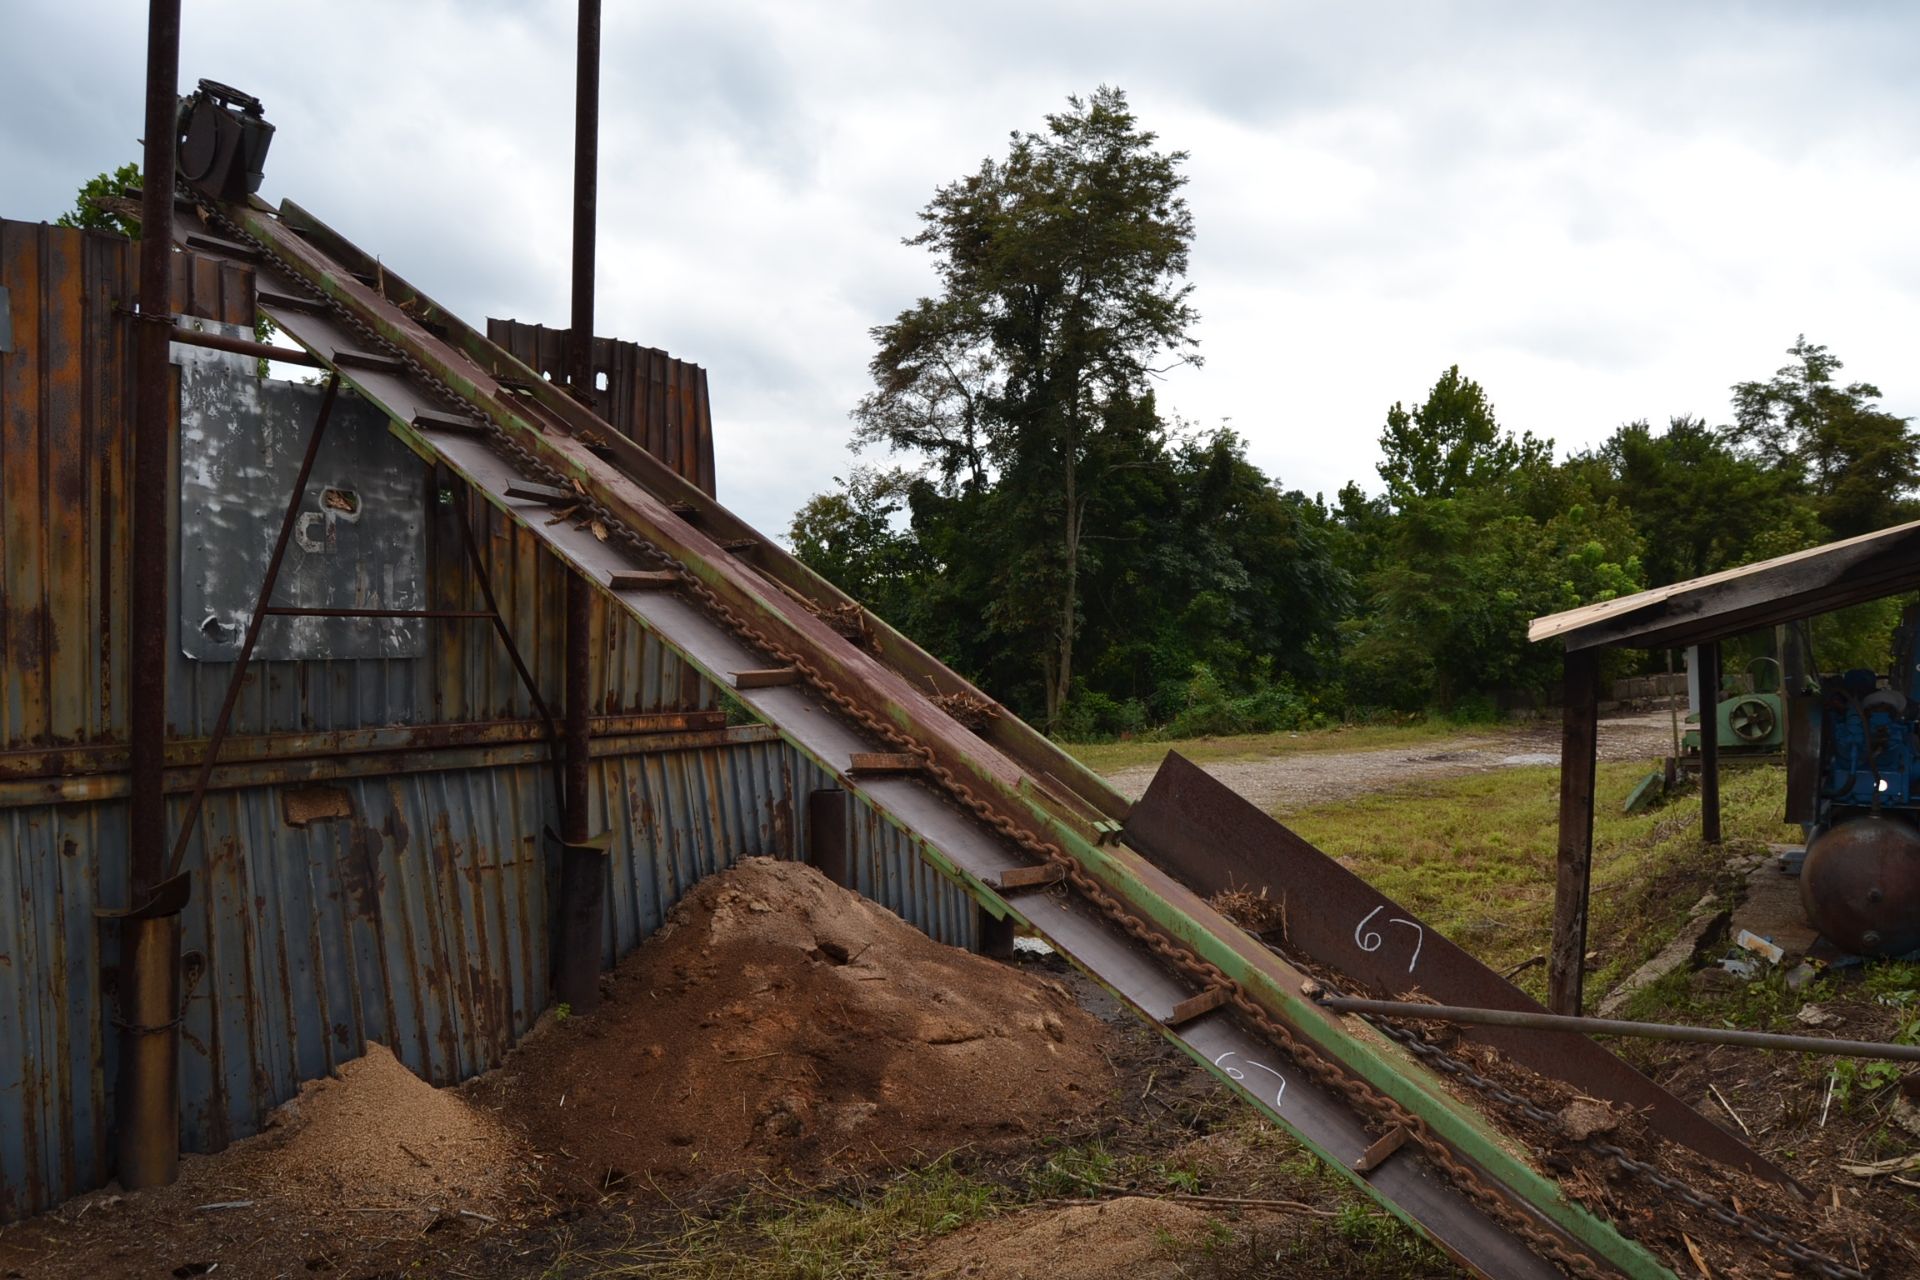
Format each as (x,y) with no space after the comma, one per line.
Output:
(147,1122)
(583,866)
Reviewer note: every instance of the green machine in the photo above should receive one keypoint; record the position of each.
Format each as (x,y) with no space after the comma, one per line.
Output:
(1751,724)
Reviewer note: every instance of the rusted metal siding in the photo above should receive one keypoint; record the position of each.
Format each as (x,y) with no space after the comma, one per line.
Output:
(64,468)
(63,489)
(422,918)
(889,866)
(655,400)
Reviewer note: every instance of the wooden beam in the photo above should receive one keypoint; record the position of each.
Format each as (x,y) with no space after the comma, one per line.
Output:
(1193,1006)
(1038,875)
(883,762)
(642,580)
(1709,657)
(766,678)
(1579,749)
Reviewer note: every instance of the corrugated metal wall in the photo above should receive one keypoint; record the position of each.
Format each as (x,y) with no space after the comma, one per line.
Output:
(655,400)
(421,916)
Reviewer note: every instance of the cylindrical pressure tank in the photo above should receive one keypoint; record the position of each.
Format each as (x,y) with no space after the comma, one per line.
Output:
(1860,885)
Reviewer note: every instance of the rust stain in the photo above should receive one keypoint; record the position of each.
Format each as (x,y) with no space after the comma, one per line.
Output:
(361,873)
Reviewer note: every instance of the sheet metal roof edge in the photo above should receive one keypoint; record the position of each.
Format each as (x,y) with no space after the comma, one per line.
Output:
(1609,622)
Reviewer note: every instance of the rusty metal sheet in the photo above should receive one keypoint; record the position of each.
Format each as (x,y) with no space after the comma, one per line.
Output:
(63,544)
(656,401)
(1210,838)
(358,542)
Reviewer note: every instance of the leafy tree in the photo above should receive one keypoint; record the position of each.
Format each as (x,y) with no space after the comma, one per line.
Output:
(1062,286)
(97,208)
(1452,441)
(1699,505)
(850,537)
(87,213)
(1860,462)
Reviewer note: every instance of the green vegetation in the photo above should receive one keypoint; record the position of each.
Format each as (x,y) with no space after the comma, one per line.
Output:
(1474,857)
(774,1234)
(1148,749)
(87,213)
(1106,570)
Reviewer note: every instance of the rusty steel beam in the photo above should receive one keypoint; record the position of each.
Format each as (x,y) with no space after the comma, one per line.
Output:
(109,758)
(583,865)
(148,1116)
(530,748)
(243,346)
(1526,1021)
(153,411)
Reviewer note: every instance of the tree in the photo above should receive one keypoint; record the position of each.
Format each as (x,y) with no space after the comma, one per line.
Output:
(1062,283)
(850,538)
(1860,462)
(89,215)
(1699,505)
(1450,442)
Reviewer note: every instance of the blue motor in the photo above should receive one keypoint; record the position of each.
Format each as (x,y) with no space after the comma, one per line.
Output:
(1860,883)
(1869,761)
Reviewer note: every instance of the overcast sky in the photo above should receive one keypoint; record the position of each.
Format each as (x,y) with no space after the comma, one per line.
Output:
(1601,212)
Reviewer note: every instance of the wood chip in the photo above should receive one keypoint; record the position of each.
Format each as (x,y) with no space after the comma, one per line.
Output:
(1699,1259)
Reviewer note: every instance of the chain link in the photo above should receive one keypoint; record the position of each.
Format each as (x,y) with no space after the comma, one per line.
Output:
(1380,1109)
(1751,1227)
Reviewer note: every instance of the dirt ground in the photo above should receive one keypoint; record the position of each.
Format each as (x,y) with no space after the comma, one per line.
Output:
(368,1169)
(1133,1236)
(1299,780)
(779,1022)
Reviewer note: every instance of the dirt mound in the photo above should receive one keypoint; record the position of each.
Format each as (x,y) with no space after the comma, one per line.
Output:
(372,1156)
(778,1022)
(1133,1236)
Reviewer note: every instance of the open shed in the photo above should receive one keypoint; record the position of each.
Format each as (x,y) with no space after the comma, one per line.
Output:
(1698,615)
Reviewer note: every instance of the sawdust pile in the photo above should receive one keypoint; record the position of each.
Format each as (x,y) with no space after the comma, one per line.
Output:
(1133,1236)
(778,1022)
(379,1135)
(372,1155)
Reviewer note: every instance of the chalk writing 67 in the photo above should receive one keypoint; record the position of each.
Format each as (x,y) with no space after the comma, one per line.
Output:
(1369,940)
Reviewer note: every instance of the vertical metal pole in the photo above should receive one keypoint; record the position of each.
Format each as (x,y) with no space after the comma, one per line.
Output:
(1579,749)
(582,870)
(586,187)
(148,1119)
(147,652)
(1710,741)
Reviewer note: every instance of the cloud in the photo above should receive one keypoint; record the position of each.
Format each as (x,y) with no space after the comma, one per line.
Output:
(1600,213)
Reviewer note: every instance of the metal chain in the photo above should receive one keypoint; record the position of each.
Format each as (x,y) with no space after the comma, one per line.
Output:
(1753,1228)
(1360,1094)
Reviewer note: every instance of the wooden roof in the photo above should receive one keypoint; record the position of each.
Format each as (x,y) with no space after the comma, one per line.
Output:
(1735,601)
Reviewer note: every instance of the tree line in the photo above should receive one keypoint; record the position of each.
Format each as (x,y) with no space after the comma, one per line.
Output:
(1044,528)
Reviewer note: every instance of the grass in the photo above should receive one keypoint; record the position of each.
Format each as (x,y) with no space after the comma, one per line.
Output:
(775,1234)
(1474,857)
(1108,757)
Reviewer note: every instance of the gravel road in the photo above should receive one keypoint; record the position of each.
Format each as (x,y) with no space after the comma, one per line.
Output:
(1302,779)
